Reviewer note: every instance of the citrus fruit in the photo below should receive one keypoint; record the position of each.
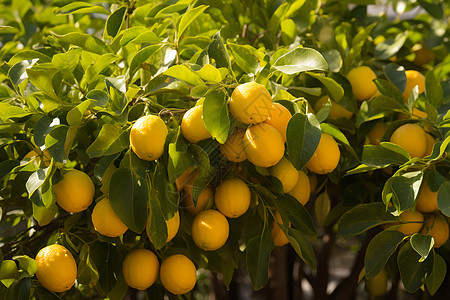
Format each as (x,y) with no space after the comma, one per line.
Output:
(423,55)
(263,145)
(412,138)
(148,136)
(312,182)
(413,78)
(361,79)
(38,154)
(427,200)
(181,181)
(140,268)
(192,125)
(376,134)
(210,230)
(232,197)
(410,222)
(377,286)
(336,111)
(430,144)
(105,220)
(75,192)
(437,227)
(279,117)
(204,201)
(326,156)
(56,268)
(178,274)
(173,224)
(302,189)
(278,235)
(286,173)
(233,148)
(250,103)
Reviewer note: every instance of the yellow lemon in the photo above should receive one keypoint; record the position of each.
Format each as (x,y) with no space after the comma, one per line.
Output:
(181,181)
(75,192)
(286,173)
(278,235)
(210,230)
(56,268)
(430,144)
(377,132)
(427,200)
(279,118)
(233,148)
(411,222)
(437,227)
(140,269)
(302,189)
(173,224)
(423,55)
(106,221)
(192,125)
(361,79)
(148,136)
(250,103)
(336,111)
(377,286)
(263,145)
(178,274)
(412,138)
(413,78)
(232,197)
(203,201)
(326,157)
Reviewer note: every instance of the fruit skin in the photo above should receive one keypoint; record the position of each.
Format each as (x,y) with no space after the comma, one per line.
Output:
(427,200)
(233,148)
(412,138)
(250,103)
(210,230)
(413,78)
(140,269)
(105,220)
(178,274)
(413,222)
(263,145)
(192,125)
(278,235)
(182,180)
(204,201)
(232,197)
(437,227)
(56,268)
(173,224)
(430,144)
(279,118)
(75,192)
(377,286)
(286,173)
(336,111)
(423,54)
(148,136)
(361,79)
(326,157)
(302,189)
(377,132)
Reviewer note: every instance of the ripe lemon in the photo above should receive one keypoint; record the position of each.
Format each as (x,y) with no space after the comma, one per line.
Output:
(148,136)
(427,200)
(56,268)
(279,117)
(232,197)
(423,55)
(411,222)
(437,227)
(361,79)
(326,157)
(413,78)
(302,189)
(312,182)
(75,192)
(377,286)
(210,230)
(106,221)
(233,148)
(377,132)
(250,103)
(181,181)
(430,144)
(412,138)
(278,235)
(286,173)
(37,153)
(192,125)
(173,224)
(140,269)
(336,111)
(263,145)
(203,201)
(178,274)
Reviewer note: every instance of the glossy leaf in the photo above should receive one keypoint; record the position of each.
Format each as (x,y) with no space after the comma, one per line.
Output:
(437,275)
(413,272)
(300,60)
(215,115)
(111,139)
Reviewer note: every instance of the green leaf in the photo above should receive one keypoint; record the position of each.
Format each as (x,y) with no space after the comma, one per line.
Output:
(413,273)
(215,115)
(396,74)
(182,72)
(303,136)
(209,73)
(389,90)
(111,139)
(142,56)
(363,217)
(35,181)
(19,289)
(437,275)
(43,127)
(55,143)
(27,264)
(335,90)
(300,60)
(81,8)
(92,72)
(100,97)
(443,198)
(338,135)
(297,213)
(166,192)
(128,194)
(75,115)
(302,246)
(434,9)
(17,74)
(7,166)
(87,271)
(25,54)
(188,17)
(390,47)
(114,22)
(245,58)
(8,29)
(218,52)
(8,272)
(422,244)
(433,90)
(381,157)
(406,188)
(139,35)
(46,78)
(380,249)
(8,111)
(84,41)
(179,158)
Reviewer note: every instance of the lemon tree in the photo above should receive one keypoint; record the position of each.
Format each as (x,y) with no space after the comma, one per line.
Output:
(172,149)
